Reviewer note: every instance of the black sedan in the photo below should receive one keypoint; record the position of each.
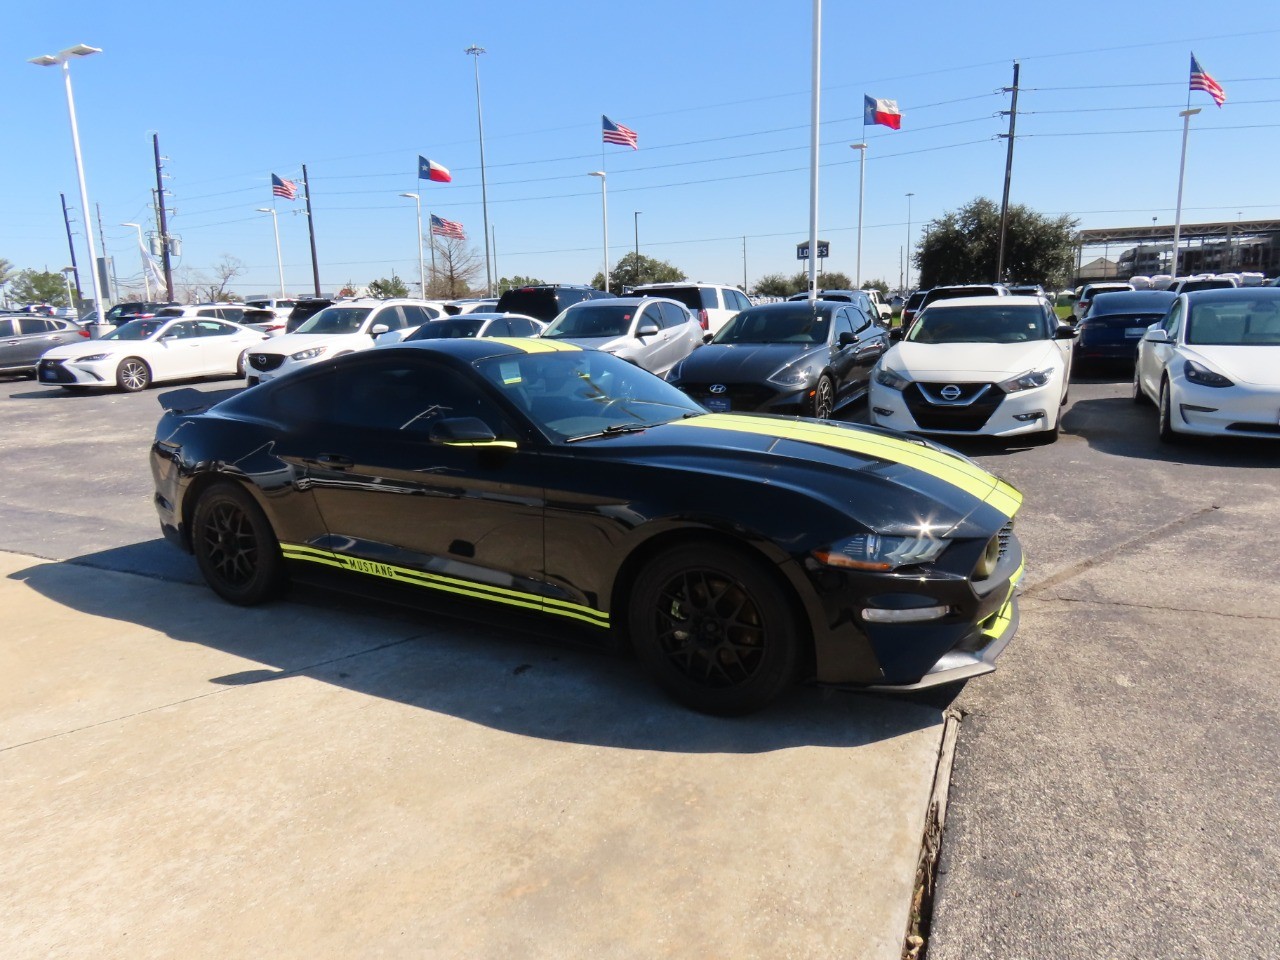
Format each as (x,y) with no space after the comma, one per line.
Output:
(1114,324)
(735,553)
(796,357)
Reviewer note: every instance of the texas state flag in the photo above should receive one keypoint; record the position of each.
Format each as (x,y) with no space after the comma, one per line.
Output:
(430,170)
(884,112)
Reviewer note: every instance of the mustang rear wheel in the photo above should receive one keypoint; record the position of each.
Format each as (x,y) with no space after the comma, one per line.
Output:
(133,375)
(714,629)
(235,547)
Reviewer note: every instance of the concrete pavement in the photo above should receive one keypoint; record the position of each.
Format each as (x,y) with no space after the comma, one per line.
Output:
(185,778)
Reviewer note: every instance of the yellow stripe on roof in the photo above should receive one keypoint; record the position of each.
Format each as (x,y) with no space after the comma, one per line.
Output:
(959,473)
(530,345)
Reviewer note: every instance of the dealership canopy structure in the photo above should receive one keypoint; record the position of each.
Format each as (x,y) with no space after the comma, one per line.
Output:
(1224,246)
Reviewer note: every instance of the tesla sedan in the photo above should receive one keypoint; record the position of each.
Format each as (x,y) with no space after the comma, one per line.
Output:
(735,553)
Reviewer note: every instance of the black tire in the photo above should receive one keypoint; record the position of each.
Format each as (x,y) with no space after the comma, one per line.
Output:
(1167,433)
(133,375)
(235,547)
(242,364)
(823,401)
(714,629)
(1139,397)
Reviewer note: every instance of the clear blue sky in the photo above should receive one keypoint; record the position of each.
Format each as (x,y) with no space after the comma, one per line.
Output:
(717,91)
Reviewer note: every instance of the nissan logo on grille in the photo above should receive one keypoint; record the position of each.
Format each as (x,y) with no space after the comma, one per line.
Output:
(950,392)
(718,388)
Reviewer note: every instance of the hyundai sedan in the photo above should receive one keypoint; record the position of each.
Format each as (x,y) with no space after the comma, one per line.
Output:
(735,553)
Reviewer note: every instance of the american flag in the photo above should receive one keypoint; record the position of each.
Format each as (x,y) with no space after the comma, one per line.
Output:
(617,133)
(1200,80)
(440,227)
(281,187)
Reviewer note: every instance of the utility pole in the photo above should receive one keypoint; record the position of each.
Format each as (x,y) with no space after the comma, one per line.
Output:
(102,244)
(163,221)
(311,227)
(1008,172)
(744,264)
(66,218)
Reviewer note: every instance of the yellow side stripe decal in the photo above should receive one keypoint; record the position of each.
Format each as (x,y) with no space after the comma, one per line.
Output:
(971,479)
(535,346)
(999,621)
(436,581)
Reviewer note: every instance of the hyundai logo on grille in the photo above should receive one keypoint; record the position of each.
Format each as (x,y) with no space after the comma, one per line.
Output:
(950,392)
(718,388)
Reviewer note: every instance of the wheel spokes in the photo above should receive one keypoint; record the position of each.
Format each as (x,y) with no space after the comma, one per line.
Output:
(709,628)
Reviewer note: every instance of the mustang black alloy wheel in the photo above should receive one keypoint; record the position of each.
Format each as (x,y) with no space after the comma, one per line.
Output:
(133,375)
(714,629)
(235,547)
(824,398)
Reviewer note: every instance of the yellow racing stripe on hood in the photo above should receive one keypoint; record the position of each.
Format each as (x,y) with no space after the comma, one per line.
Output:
(959,473)
(529,345)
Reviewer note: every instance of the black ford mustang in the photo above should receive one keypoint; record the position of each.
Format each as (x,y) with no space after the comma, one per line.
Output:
(735,553)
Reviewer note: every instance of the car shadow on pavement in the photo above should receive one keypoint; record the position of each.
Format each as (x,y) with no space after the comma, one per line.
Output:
(1118,426)
(505,676)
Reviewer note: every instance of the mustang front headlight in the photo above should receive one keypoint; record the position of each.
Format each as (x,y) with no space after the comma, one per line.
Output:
(310,354)
(1199,373)
(92,357)
(1025,381)
(871,551)
(888,377)
(793,375)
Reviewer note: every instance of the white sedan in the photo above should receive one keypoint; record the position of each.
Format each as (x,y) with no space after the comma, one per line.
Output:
(1213,364)
(142,352)
(979,366)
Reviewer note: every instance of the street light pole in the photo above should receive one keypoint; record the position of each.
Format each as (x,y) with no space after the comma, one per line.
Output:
(907,286)
(1186,116)
(422,270)
(604,203)
(475,51)
(862,190)
(146,265)
(62,59)
(636,218)
(816,91)
(275,226)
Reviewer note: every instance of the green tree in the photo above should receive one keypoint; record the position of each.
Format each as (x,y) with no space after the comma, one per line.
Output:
(773,285)
(632,270)
(833,280)
(963,245)
(38,286)
(876,285)
(511,283)
(388,287)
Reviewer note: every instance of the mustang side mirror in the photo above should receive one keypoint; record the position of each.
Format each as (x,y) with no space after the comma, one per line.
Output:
(647,329)
(462,430)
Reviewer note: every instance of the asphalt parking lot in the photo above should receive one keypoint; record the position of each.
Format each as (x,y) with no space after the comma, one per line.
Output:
(324,778)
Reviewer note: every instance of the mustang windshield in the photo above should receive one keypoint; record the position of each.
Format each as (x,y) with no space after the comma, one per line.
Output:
(1235,323)
(798,324)
(582,393)
(136,330)
(335,320)
(1016,324)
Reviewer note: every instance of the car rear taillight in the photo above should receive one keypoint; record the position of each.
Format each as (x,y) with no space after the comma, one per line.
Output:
(702,319)
(84,333)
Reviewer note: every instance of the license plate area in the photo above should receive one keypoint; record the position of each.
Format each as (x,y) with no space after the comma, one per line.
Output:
(718,404)
(1134,333)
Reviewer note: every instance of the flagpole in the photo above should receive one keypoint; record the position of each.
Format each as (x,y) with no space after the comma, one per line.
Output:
(1186,116)
(431,239)
(813,150)
(862,192)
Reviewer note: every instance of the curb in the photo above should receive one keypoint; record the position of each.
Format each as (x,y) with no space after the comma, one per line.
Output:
(918,921)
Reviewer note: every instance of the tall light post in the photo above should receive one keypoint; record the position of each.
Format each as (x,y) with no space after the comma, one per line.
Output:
(275,226)
(604,203)
(636,218)
(862,191)
(907,285)
(1186,116)
(62,59)
(142,252)
(816,94)
(66,276)
(475,51)
(422,270)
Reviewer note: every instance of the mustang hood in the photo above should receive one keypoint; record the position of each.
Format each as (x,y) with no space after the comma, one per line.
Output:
(886,481)
(742,362)
(1247,364)
(968,361)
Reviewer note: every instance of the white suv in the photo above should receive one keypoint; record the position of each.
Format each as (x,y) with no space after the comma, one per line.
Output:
(343,327)
(712,304)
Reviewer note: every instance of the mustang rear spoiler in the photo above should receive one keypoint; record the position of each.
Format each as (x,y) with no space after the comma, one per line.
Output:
(189,400)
